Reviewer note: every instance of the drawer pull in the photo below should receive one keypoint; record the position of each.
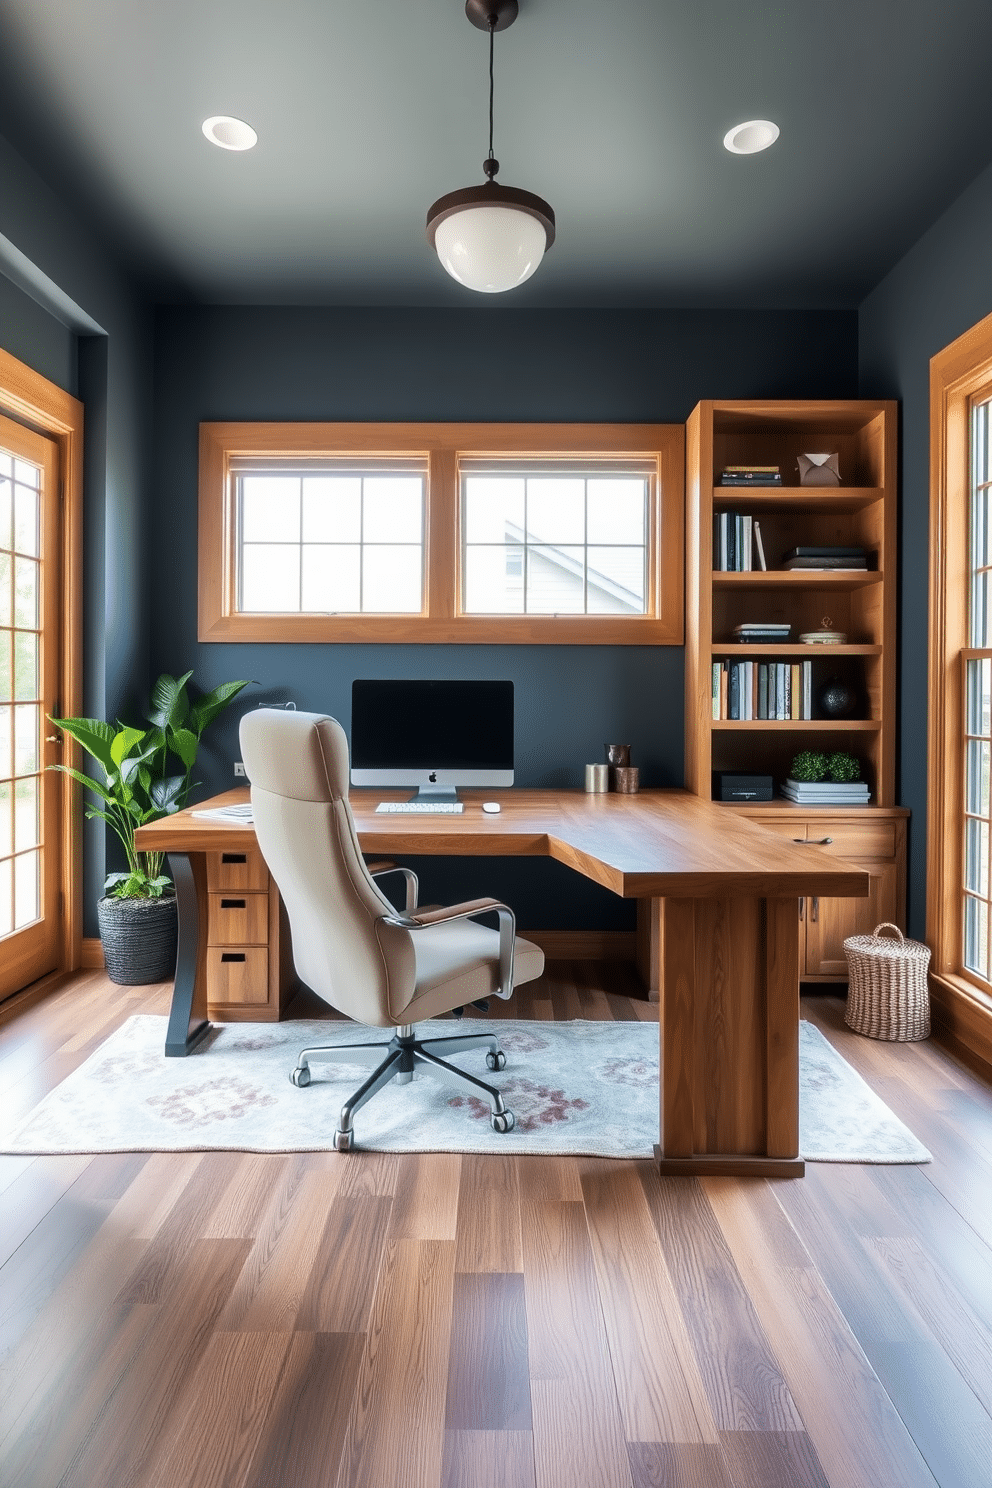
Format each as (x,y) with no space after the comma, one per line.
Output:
(814,912)
(802,902)
(233,956)
(233,904)
(234,857)
(813,841)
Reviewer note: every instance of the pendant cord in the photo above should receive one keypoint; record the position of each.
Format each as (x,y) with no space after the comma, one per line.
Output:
(492,37)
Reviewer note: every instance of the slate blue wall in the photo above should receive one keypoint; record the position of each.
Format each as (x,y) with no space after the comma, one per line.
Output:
(477,364)
(95,343)
(941,288)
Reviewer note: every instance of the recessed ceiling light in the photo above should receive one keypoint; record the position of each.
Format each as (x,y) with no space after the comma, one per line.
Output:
(228,133)
(749,138)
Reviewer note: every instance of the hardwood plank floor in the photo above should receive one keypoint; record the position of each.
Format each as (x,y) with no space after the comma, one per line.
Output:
(325,1320)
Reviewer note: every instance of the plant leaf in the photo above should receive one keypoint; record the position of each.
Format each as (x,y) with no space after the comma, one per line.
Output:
(185,744)
(165,793)
(206,708)
(93,734)
(170,705)
(123,742)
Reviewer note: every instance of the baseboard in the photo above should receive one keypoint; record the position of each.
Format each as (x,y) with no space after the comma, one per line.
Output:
(584,945)
(962,1023)
(92,953)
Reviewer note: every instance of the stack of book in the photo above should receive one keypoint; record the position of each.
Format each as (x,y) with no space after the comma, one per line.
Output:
(762,632)
(736,543)
(766,690)
(826,558)
(827,792)
(750,475)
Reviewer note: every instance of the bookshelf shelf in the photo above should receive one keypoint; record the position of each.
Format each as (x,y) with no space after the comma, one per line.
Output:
(811,499)
(798,725)
(796,578)
(727,650)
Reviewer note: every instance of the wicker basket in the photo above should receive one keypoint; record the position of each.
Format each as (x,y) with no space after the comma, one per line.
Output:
(887,995)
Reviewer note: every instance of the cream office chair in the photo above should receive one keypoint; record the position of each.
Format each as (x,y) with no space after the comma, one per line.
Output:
(380,967)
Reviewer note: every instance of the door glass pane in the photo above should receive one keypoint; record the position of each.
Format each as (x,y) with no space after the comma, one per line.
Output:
(27,821)
(26,718)
(26,889)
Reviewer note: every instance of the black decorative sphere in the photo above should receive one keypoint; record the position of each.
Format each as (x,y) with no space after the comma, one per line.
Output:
(836,699)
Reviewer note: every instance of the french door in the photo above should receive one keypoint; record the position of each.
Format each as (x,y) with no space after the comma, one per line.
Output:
(30,640)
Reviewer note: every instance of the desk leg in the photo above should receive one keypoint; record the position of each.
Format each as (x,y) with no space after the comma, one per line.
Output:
(729,1029)
(188,1015)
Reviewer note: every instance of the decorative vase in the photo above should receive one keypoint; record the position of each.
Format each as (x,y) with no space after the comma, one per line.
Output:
(836,699)
(140,937)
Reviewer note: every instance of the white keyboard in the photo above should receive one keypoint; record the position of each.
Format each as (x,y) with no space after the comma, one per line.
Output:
(422,808)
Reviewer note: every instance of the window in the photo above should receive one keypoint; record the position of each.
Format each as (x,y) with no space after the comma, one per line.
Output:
(549,540)
(329,539)
(450,533)
(959,813)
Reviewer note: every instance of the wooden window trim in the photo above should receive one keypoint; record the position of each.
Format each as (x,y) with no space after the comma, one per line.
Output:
(32,400)
(963,1005)
(442,445)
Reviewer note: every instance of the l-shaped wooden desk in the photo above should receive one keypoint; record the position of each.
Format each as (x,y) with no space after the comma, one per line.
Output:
(718,937)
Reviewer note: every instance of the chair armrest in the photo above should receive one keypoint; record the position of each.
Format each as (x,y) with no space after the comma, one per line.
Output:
(471,907)
(382,869)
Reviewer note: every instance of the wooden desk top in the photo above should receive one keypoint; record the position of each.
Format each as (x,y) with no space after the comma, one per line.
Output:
(658,844)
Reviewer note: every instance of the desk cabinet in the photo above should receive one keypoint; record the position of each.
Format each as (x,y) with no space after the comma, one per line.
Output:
(249,968)
(873,840)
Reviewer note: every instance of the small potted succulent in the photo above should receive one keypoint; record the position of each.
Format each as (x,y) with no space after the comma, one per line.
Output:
(141,782)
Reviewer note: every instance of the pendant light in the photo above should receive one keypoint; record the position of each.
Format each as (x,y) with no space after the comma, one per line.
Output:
(490,237)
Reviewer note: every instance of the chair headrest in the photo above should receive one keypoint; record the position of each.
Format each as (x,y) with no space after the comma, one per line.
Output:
(303,756)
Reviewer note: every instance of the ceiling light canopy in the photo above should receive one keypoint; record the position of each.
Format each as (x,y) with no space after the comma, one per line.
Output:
(749,138)
(490,237)
(229,133)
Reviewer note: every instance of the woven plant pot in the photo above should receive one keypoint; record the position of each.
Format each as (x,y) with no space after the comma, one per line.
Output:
(139,938)
(887,994)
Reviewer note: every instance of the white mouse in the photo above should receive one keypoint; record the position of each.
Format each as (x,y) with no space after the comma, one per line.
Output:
(490,806)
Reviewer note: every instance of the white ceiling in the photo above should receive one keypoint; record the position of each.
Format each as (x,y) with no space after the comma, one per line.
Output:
(614,111)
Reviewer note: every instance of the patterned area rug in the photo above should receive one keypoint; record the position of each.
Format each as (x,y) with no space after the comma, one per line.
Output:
(580,1088)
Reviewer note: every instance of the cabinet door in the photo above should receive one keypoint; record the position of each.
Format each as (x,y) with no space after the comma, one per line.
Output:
(830,921)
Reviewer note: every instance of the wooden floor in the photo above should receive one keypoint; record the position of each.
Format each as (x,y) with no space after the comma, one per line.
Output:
(213,1320)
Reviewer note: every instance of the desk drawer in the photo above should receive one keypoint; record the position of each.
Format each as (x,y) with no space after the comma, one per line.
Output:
(862,839)
(238,920)
(238,976)
(238,871)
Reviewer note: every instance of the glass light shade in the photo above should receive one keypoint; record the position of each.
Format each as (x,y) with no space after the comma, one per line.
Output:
(490,248)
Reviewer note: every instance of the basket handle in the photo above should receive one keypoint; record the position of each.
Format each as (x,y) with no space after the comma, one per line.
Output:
(888,925)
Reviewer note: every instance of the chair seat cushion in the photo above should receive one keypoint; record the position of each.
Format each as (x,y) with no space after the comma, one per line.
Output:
(457,964)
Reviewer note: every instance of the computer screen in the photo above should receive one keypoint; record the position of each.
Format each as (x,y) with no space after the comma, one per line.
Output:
(434,735)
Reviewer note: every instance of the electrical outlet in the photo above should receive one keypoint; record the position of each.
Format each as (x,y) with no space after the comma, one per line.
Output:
(239,771)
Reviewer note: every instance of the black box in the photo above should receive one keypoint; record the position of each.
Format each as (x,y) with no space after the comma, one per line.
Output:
(742,788)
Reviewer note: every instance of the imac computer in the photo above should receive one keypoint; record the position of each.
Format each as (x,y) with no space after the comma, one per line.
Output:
(433,735)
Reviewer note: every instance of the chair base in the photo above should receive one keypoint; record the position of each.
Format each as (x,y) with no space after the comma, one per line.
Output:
(397,1060)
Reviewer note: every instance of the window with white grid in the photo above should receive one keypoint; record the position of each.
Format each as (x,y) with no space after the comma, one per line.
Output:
(978,702)
(555,538)
(330,539)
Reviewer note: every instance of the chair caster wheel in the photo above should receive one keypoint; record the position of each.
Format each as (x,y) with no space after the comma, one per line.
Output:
(343,1141)
(503,1121)
(301,1076)
(496,1061)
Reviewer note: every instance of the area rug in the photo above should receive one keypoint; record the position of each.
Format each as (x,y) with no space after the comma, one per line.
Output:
(575,1088)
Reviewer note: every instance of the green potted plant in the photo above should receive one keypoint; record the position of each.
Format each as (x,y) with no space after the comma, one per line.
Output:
(137,915)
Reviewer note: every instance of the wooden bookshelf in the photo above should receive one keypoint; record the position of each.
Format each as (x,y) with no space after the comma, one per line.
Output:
(860,512)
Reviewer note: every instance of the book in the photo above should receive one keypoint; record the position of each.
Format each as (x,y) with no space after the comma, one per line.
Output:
(827,552)
(762,689)
(715,688)
(826,564)
(776,627)
(759,546)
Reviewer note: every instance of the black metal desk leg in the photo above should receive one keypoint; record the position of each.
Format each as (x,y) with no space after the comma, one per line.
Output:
(186,1028)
